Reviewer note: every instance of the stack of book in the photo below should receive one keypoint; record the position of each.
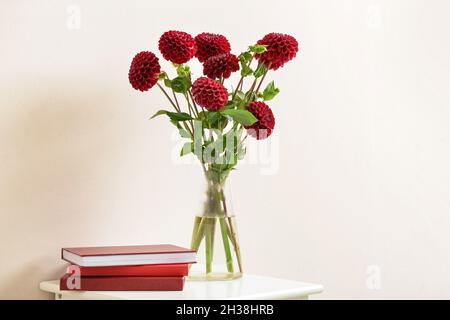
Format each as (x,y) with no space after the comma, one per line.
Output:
(127,268)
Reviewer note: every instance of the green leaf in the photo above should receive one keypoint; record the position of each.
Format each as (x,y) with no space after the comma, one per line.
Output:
(270,92)
(245,57)
(246,70)
(183,71)
(179,116)
(244,117)
(188,147)
(168,83)
(222,123)
(240,95)
(251,96)
(242,104)
(181,84)
(230,105)
(174,116)
(216,120)
(258,48)
(260,71)
(213,117)
(240,100)
(182,131)
(159,113)
(162,75)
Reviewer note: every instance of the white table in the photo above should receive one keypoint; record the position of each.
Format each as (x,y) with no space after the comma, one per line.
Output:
(248,287)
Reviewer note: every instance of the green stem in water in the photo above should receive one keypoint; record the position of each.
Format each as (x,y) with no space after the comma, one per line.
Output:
(215,209)
(209,243)
(226,244)
(235,242)
(233,237)
(195,233)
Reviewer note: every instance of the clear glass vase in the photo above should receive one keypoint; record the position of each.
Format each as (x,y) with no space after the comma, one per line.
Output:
(215,239)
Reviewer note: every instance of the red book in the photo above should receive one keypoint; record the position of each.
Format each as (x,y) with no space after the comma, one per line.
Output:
(128,255)
(155,270)
(71,282)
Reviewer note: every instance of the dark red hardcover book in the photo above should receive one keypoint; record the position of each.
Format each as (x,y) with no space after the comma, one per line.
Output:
(75,283)
(128,255)
(155,270)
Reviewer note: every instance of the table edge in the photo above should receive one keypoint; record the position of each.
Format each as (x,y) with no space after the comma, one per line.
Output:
(52,286)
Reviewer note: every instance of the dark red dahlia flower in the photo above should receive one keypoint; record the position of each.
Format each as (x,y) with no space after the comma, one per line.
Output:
(209,94)
(144,71)
(209,45)
(177,46)
(281,48)
(266,121)
(220,66)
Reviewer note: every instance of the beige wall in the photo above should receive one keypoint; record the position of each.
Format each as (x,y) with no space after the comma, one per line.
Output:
(360,202)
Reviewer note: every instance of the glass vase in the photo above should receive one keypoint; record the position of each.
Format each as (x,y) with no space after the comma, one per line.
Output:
(214,237)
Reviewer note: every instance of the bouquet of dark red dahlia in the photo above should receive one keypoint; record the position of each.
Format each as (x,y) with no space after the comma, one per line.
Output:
(215,121)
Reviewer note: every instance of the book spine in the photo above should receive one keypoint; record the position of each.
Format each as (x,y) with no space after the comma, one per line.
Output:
(168,270)
(73,283)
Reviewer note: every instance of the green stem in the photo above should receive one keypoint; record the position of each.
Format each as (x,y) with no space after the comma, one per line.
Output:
(252,88)
(262,80)
(215,209)
(233,237)
(226,244)
(168,97)
(237,88)
(175,107)
(194,111)
(193,102)
(241,80)
(179,110)
(209,243)
(235,242)
(194,108)
(195,233)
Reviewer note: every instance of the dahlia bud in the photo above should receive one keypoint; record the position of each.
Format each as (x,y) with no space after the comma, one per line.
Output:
(177,46)
(221,66)
(209,45)
(281,48)
(266,121)
(209,94)
(144,71)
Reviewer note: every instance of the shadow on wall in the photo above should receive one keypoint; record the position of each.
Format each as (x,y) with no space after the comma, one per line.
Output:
(53,146)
